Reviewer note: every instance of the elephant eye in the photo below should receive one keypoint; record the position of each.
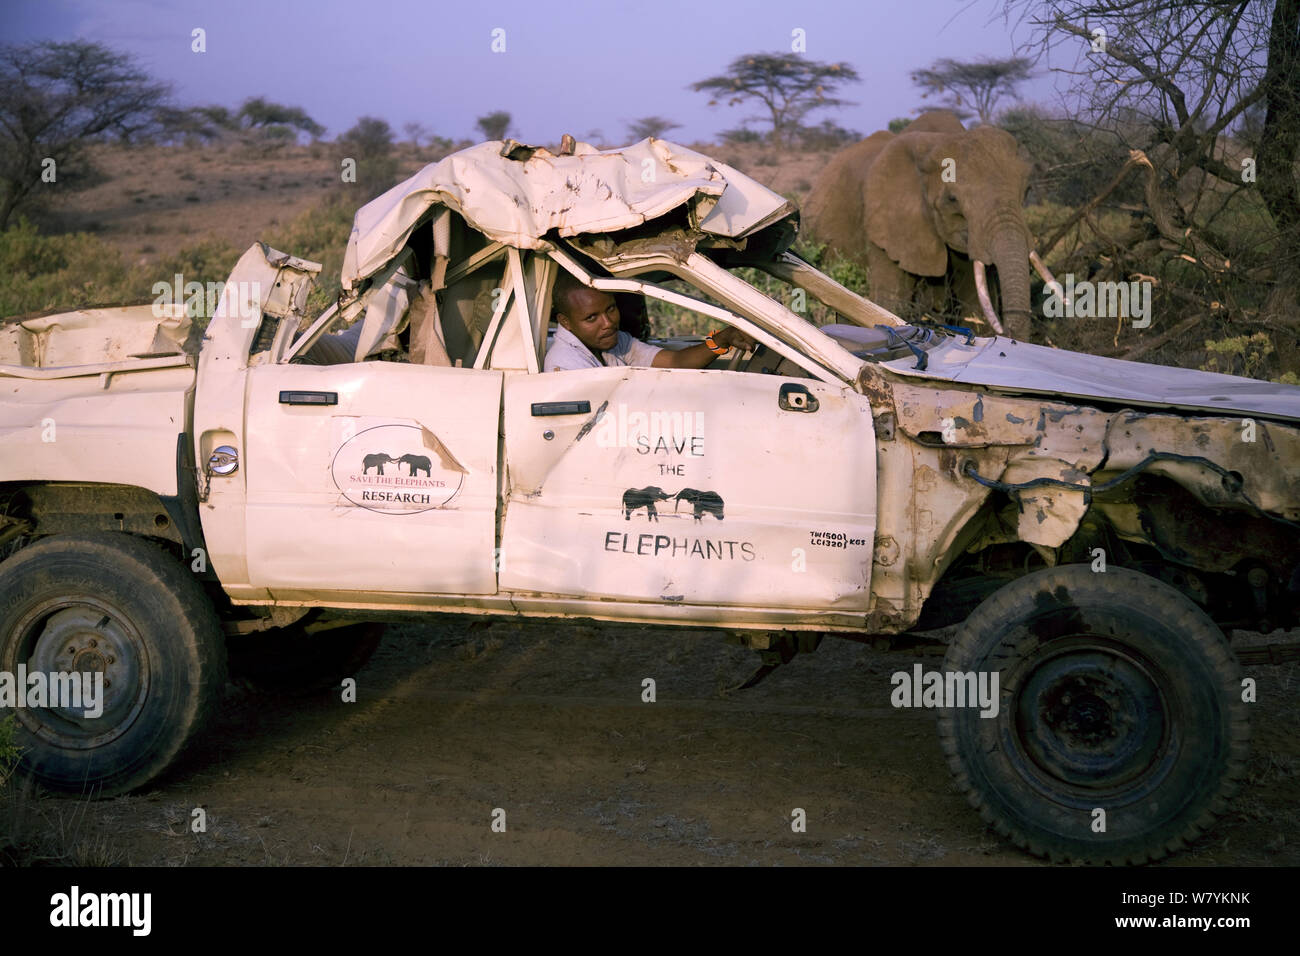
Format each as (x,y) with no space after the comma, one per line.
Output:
(950,198)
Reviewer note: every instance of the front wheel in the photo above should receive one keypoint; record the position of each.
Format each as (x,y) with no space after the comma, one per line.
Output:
(116,613)
(1120,733)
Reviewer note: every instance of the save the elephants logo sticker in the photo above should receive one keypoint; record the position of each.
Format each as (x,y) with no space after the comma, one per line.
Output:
(396,469)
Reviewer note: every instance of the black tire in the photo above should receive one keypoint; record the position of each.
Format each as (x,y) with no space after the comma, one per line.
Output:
(293,662)
(121,605)
(1117,693)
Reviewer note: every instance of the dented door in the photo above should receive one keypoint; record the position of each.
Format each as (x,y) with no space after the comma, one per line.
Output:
(703,487)
(375,476)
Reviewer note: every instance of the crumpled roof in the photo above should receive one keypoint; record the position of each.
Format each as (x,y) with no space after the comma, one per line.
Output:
(517,201)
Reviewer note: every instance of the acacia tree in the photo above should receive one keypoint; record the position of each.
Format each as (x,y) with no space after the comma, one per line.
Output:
(650,126)
(56,98)
(370,136)
(1172,79)
(787,85)
(979,83)
(261,114)
(494,125)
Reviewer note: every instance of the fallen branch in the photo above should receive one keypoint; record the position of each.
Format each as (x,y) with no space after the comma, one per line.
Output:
(1136,158)
(1154,343)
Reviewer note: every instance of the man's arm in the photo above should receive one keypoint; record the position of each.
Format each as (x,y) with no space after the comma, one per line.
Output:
(700,356)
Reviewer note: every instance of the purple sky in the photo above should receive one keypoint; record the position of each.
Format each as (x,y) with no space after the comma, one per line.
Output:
(573,66)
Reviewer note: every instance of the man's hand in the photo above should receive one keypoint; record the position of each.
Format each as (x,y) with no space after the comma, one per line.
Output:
(700,356)
(732,337)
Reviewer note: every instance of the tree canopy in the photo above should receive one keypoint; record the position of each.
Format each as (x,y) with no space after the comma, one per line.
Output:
(56,98)
(648,126)
(259,113)
(975,83)
(494,125)
(787,85)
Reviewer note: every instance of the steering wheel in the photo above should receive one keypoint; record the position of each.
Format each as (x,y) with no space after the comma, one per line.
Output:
(737,359)
(759,351)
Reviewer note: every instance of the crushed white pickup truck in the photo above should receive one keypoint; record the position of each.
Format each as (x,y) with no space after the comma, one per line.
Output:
(1091,526)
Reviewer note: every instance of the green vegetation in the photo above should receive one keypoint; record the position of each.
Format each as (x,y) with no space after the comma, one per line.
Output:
(40,273)
(10,752)
(321,235)
(668,320)
(55,273)
(1243,355)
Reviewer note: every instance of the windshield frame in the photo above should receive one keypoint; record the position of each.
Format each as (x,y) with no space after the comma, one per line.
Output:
(795,337)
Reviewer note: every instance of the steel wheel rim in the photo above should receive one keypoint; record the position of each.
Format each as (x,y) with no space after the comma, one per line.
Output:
(1093,719)
(84,634)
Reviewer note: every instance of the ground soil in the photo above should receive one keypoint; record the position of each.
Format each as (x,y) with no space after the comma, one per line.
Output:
(545,721)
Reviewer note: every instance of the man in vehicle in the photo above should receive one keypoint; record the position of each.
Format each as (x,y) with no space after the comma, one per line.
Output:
(588,335)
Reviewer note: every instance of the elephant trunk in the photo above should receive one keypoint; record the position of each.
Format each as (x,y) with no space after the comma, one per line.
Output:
(1010,248)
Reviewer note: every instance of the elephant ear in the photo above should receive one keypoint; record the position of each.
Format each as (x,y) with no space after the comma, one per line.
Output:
(833,210)
(896,216)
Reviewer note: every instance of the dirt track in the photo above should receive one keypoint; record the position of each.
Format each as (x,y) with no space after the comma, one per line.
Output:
(546,722)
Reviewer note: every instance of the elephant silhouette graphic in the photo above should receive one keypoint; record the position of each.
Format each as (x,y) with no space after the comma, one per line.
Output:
(416,463)
(635,498)
(375,461)
(704,502)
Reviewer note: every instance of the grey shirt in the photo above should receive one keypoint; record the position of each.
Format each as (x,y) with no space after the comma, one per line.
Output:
(566,352)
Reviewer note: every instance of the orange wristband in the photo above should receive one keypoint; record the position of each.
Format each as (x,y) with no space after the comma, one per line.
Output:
(713,346)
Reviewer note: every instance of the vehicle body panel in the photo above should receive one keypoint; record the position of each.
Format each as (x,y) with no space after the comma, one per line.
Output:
(392,489)
(689,486)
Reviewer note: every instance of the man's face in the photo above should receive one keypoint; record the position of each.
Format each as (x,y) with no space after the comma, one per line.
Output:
(592,317)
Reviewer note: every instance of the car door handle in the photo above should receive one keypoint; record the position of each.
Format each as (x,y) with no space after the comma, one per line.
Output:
(309,398)
(561,408)
(796,398)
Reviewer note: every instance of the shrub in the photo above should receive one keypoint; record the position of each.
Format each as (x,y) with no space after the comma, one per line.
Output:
(321,235)
(1238,355)
(40,273)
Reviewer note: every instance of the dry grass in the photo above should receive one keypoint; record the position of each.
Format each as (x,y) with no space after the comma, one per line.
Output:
(38,829)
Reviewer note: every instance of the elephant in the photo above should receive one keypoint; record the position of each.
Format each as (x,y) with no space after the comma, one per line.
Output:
(635,498)
(926,211)
(417,463)
(704,502)
(375,461)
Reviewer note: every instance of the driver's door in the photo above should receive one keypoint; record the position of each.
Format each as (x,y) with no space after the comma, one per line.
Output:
(699,487)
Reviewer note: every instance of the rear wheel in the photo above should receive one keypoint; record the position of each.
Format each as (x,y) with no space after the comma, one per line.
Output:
(120,607)
(1120,733)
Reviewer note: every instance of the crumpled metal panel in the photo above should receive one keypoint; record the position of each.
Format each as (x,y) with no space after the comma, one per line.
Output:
(1263,458)
(87,336)
(518,201)
(1049,514)
(927,499)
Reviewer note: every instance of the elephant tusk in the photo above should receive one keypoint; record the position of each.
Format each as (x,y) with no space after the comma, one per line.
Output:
(1045,274)
(982,287)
